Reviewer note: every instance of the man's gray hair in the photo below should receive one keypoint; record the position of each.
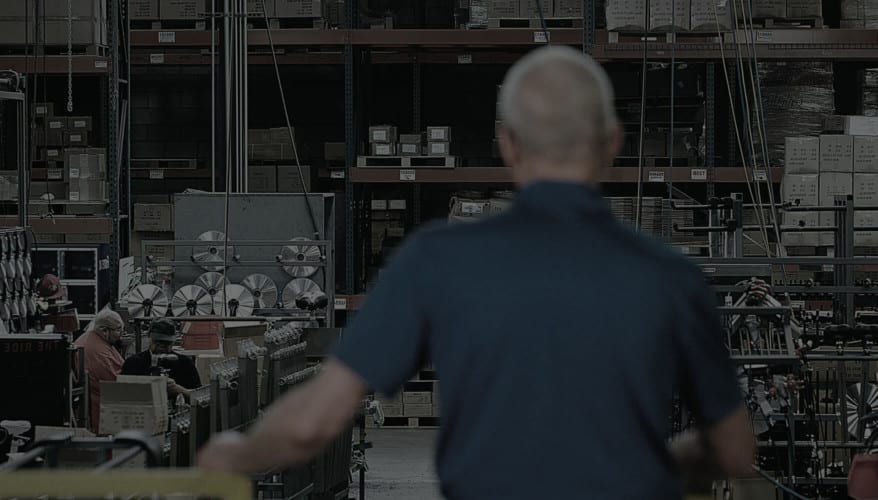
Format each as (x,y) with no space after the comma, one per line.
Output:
(558,103)
(108,318)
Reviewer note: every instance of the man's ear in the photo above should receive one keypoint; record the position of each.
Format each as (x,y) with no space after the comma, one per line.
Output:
(508,148)
(613,145)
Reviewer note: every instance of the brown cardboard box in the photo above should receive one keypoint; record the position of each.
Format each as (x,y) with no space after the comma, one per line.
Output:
(568,8)
(75,138)
(661,12)
(271,152)
(801,239)
(710,15)
(802,155)
(57,123)
(43,109)
(802,188)
(392,409)
(298,8)
(409,149)
(182,9)
(143,9)
(499,9)
(865,154)
(88,190)
(804,9)
(625,15)
(134,403)
(421,397)
(836,153)
(438,148)
(288,180)
(831,185)
(258,136)
(861,125)
(776,9)
(154,217)
(280,135)
(438,134)
(866,190)
(383,134)
(262,179)
(254,7)
(417,410)
(157,252)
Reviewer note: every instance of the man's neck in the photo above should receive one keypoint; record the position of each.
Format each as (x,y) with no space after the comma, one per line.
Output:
(533,172)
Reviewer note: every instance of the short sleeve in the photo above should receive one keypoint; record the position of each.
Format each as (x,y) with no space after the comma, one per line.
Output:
(709,384)
(385,342)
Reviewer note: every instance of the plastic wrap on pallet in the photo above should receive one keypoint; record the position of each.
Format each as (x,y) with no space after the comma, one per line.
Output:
(626,15)
(870,92)
(859,14)
(711,15)
(795,98)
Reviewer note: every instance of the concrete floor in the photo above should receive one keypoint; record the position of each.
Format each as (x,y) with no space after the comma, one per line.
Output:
(400,465)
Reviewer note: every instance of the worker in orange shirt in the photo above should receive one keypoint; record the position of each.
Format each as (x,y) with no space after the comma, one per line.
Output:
(102,361)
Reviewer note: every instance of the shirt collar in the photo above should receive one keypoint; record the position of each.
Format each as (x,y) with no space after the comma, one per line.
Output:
(563,197)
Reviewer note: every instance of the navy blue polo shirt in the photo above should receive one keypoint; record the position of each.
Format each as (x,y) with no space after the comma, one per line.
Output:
(559,336)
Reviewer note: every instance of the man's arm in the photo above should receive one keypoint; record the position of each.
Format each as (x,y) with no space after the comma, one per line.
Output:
(726,448)
(295,429)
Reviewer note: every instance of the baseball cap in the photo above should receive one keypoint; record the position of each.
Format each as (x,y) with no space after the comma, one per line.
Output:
(163,330)
(50,288)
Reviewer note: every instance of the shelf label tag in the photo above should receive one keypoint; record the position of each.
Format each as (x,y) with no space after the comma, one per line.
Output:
(101,64)
(465,59)
(471,208)
(828,268)
(74,174)
(407,175)
(54,174)
(541,37)
(341,304)
(379,204)
(104,264)
(156,58)
(336,174)
(656,176)
(699,174)
(167,37)
(74,195)
(764,36)
(156,174)
(760,175)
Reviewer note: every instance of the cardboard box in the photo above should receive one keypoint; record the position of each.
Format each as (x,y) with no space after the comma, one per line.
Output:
(254,8)
(281,135)
(834,184)
(288,180)
(866,190)
(77,139)
(861,125)
(802,155)
(865,218)
(262,179)
(661,12)
(865,154)
(836,153)
(417,397)
(201,336)
(79,123)
(57,123)
(182,9)
(396,205)
(499,9)
(776,9)
(134,403)
(528,9)
(258,136)
(568,8)
(383,134)
(409,149)
(417,410)
(381,149)
(87,239)
(88,190)
(802,188)
(270,152)
(143,9)
(834,124)
(298,8)
(410,139)
(710,15)
(8,187)
(801,239)
(392,409)
(156,251)
(626,15)
(155,217)
(435,134)
(334,151)
(804,9)
(43,109)
(438,148)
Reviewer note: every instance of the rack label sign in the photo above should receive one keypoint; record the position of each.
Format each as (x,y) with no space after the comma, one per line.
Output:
(74,173)
(54,174)
(764,36)
(465,59)
(101,64)
(760,175)
(699,174)
(156,174)
(156,58)
(336,174)
(407,175)
(341,304)
(656,176)
(74,195)
(471,208)
(167,37)
(541,37)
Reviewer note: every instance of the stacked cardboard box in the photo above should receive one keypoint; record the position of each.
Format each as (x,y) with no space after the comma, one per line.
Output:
(870,92)
(383,140)
(278,178)
(152,220)
(86,170)
(134,403)
(438,141)
(182,10)
(88,27)
(270,144)
(862,14)
(388,226)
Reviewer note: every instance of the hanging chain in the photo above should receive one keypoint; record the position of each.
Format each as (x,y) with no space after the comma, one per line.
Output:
(69,56)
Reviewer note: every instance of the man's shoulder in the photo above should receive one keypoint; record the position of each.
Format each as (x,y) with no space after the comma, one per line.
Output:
(656,252)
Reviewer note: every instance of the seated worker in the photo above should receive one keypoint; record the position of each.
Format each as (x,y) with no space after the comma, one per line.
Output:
(102,360)
(183,376)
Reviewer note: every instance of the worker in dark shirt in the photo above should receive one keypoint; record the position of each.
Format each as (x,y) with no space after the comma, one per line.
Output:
(182,374)
(558,334)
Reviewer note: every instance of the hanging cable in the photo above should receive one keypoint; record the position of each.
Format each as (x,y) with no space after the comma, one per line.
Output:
(638,209)
(671,132)
(283,101)
(542,21)
(777,484)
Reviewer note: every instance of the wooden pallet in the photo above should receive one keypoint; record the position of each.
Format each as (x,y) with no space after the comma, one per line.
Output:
(169,24)
(164,164)
(802,251)
(55,50)
(769,22)
(656,161)
(411,422)
(65,207)
(406,161)
(527,23)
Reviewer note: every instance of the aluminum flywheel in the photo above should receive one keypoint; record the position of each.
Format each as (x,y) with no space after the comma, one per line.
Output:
(233,300)
(147,301)
(212,255)
(263,289)
(28,267)
(13,303)
(300,252)
(22,242)
(5,246)
(295,288)
(31,304)
(212,282)
(191,300)
(5,313)
(869,394)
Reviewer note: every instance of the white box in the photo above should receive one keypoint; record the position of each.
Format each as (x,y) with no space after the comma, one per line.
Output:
(626,15)
(498,9)
(298,8)
(439,133)
(802,155)
(660,12)
(836,153)
(800,239)
(861,125)
(438,148)
(385,134)
(864,218)
(865,154)
(804,9)
(775,9)
(710,15)
(528,9)
(134,403)
(832,184)
(406,149)
(865,190)
(802,188)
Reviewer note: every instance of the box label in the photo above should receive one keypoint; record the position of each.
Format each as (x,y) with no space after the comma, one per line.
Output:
(465,59)
(79,124)
(156,58)
(699,174)
(156,174)
(379,204)
(760,175)
(764,36)
(74,195)
(437,134)
(541,37)
(407,175)
(471,208)
(410,148)
(438,148)
(341,304)
(74,173)
(379,135)
(55,125)
(55,174)
(167,37)
(75,138)
(382,149)
(41,110)
(101,64)
(656,176)
(336,174)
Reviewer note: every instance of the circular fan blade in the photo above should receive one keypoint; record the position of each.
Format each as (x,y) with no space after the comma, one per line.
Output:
(147,301)
(213,252)
(4,244)
(28,267)
(5,313)
(869,393)
(8,269)
(31,306)
(295,288)
(191,300)
(301,252)
(233,300)
(22,242)
(211,281)
(263,289)
(24,276)
(13,307)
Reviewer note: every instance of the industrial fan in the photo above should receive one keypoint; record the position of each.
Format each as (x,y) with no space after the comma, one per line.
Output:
(191,300)
(300,288)
(855,394)
(263,289)
(147,301)
(233,300)
(298,253)
(212,255)
(211,281)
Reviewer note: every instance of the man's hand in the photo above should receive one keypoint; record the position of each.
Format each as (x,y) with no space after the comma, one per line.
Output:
(224,452)
(175,389)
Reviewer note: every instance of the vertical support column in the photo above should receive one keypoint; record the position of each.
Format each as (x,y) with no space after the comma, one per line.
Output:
(844,249)
(350,144)
(736,246)
(732,140)
(710,126)
(416,128)
(588,26)
(114,157)
(22,159)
